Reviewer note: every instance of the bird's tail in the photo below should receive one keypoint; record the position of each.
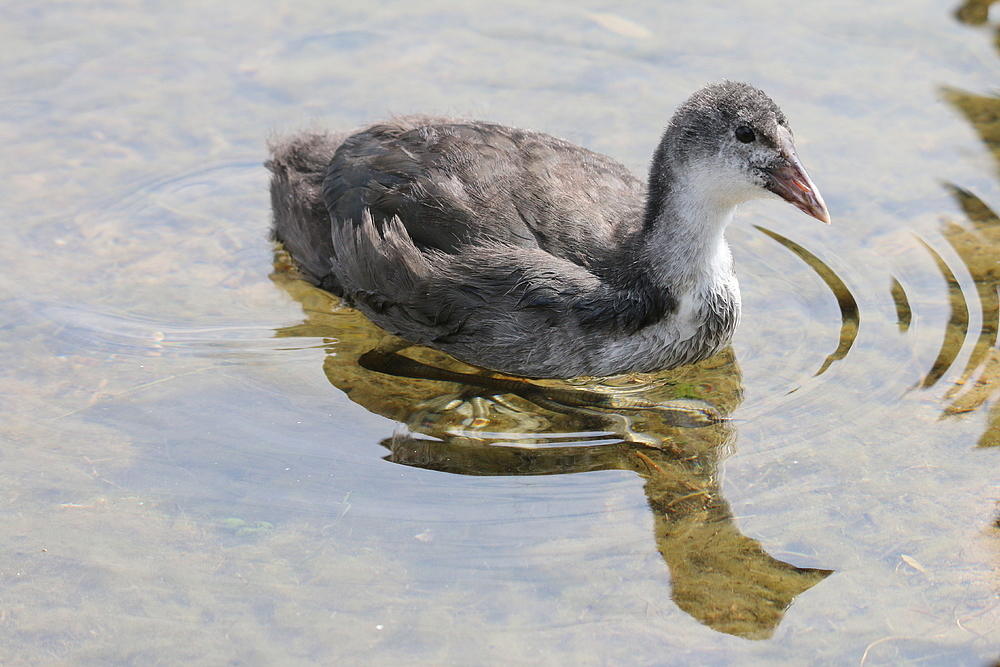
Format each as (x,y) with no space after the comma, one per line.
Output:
(301,223)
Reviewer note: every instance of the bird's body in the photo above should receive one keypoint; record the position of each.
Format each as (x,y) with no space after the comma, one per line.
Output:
(523,253)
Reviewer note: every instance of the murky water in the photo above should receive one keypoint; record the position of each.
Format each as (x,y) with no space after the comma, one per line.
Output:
(196,467)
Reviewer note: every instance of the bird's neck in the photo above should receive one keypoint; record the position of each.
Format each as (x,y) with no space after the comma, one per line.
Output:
(685,248)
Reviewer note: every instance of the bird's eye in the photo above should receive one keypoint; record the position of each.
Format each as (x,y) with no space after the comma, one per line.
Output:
(744,134)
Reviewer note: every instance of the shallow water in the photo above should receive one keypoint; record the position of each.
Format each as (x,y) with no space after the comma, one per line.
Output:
(196,469)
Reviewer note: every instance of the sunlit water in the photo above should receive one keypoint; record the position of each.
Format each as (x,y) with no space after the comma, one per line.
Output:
(195,468)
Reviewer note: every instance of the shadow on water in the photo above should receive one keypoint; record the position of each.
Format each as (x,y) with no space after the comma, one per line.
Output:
(668,428)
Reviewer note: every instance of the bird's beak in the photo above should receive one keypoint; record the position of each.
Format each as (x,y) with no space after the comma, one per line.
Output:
(791,182)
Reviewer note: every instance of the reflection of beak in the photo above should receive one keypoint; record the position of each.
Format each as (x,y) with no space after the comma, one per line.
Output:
(792,183)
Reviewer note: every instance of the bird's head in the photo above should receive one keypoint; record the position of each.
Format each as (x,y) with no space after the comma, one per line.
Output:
(734,139)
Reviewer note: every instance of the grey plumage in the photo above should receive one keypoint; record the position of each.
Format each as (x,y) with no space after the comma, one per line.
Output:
(523,253)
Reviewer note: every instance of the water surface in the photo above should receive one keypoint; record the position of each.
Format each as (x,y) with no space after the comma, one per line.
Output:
(196,469)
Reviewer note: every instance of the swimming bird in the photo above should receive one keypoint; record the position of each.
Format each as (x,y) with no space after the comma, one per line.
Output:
(522,253)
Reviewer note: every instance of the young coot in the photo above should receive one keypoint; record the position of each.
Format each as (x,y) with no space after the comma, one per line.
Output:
(525,254)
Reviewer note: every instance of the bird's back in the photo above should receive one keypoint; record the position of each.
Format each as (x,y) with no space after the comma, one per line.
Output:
(452,184)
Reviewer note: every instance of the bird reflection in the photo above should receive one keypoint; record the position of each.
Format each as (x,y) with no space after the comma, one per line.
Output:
(464,420)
